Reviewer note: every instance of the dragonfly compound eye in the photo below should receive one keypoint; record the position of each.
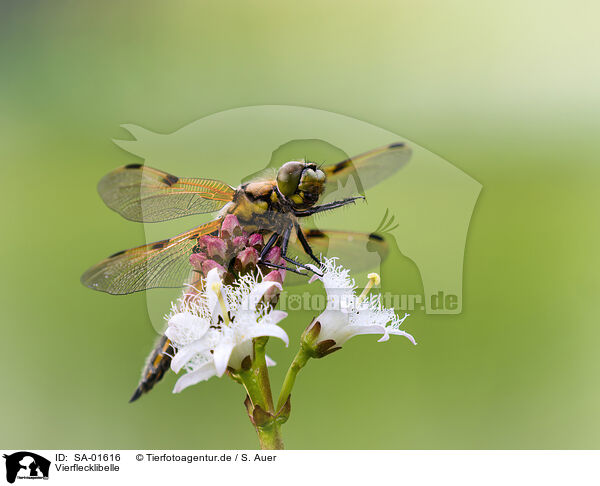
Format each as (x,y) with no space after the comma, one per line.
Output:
(312,180)
(288,177)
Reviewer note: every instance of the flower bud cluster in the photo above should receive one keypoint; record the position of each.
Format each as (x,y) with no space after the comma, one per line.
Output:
(235,252)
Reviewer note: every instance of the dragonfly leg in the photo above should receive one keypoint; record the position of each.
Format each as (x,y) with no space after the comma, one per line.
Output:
(284,247)
(326,207)
(266,249)
(274,265)
(301,265)
(305,244)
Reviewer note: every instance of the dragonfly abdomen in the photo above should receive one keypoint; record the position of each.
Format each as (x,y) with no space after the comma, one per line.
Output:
(157,364)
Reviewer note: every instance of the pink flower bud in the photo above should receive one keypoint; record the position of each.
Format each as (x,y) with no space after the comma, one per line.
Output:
(246,260)
(274,255)
(215,247)
(230,227)
(256,240)
(208,265)
(239,243)
(274,276)
(197,259)
(202,241)
(272,295)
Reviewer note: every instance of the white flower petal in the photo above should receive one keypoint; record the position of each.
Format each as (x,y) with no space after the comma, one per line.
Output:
(221,357)
(385,337)
(332,323)
(203,373)
(214,306)
(274,317)
(269,361)
(316,272)
(351,331)
(398,332)
(184,326)
(173,334)
(239,352)
(267,330)
(336,279)
(250,302)
(212,277)
(186,353)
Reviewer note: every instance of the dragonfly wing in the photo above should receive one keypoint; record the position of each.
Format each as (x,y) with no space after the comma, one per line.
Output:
(141,193)
(356,174)
(161,264)
(355,251)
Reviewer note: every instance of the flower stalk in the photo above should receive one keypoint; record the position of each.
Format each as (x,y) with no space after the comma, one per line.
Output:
(269,437)
(259,402)
(298,363)
(259,369)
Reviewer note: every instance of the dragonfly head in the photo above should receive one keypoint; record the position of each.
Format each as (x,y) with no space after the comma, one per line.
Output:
(301,183)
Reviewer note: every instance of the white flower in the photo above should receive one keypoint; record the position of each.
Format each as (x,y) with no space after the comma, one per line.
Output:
(214,329)
(348,315)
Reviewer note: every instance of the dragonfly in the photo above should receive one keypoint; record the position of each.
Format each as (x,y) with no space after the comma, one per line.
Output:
(272,206)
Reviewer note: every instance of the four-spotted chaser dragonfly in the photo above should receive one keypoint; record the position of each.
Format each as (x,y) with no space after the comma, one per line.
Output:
(272,207)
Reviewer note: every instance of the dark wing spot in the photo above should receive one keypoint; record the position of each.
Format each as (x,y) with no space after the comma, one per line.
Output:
(315,233)
(133,166)
(159,245)
(341,166)
(117,254)
(396,145)
(375,237)
(169,179)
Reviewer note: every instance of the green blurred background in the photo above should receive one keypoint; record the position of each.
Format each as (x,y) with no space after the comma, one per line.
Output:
(508,92)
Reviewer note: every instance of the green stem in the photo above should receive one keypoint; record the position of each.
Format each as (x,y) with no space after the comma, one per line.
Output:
(270,437)
(257,384)
(252,388)
(259,369)
(299,362)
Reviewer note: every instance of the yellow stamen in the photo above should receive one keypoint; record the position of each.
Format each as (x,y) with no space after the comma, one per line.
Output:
(374,279)
(216,287)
